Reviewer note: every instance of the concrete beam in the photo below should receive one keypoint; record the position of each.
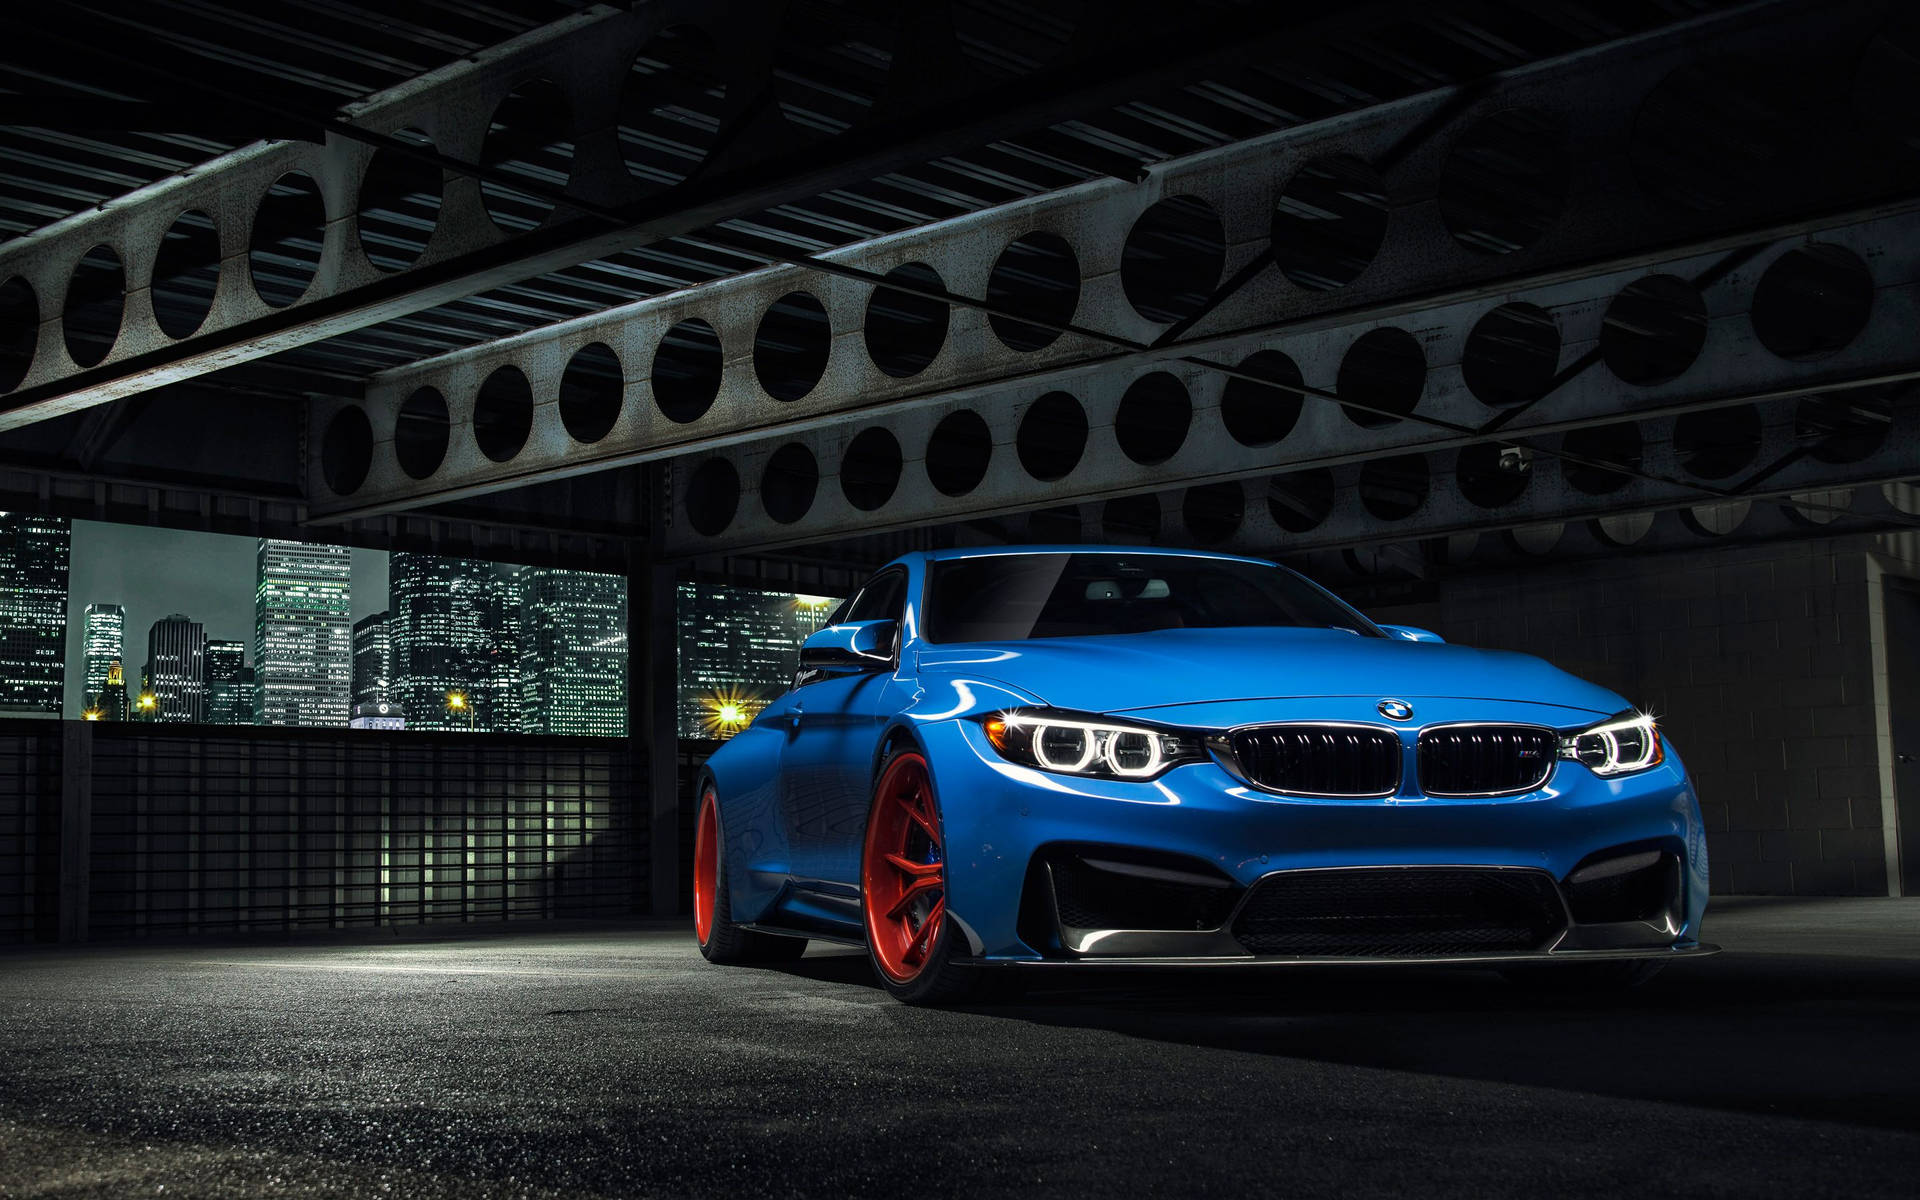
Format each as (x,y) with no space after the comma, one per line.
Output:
(1348,243)
(583,195)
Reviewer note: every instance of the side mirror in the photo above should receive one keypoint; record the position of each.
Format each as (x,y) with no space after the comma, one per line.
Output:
(861,645)
(1410,633)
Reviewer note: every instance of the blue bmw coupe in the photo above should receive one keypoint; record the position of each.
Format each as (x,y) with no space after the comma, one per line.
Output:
(1034,758)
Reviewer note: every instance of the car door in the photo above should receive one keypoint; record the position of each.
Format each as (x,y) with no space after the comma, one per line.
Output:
(826,766)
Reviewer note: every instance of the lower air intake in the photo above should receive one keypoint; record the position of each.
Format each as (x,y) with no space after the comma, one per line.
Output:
(1401,912)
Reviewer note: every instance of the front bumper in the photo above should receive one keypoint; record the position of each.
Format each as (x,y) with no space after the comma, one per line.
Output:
(1007,828)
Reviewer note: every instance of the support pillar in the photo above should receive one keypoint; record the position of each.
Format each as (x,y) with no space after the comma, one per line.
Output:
(76,828)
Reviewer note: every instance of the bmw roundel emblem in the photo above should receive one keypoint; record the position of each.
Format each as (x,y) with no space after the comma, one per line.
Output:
(1396,710)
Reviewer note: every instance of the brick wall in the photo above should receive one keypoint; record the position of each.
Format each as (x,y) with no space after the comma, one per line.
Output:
(1759,661)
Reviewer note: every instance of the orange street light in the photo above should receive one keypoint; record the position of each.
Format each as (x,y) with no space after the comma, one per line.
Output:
(92,714)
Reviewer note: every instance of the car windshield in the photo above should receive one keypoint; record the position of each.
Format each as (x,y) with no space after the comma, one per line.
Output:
(1012,597)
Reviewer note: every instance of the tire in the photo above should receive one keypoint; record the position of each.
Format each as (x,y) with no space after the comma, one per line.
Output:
(1613,975)
(721,940)
(910,941)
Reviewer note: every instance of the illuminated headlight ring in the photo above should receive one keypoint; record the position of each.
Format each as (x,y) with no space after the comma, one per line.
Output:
(1620,745)
(1076,743)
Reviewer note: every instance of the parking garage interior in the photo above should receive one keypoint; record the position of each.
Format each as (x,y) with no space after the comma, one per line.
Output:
(1578,329)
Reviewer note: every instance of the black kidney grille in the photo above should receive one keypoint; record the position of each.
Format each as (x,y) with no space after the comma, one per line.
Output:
(1485,760)
(1320,760)
(1400,912)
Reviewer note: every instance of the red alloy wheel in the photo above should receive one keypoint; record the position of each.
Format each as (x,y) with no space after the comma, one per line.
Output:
(706,867)
(903,871)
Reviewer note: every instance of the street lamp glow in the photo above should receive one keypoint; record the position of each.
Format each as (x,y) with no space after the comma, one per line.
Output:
(456,700)
(731,715)
(149,701)
(92,714)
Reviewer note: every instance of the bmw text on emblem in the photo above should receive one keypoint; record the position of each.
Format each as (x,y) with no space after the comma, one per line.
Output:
(1396,710)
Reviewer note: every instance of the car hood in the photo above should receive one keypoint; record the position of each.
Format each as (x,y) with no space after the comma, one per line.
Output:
(1141,672)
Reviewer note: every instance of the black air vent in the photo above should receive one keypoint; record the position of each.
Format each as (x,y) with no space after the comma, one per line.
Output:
(1485,760)
(1320,760)
(1400,912)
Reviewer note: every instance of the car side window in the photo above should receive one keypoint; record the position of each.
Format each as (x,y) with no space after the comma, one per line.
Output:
(883,599)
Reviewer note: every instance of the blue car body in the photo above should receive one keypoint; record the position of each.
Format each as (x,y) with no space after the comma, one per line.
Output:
(1200,840)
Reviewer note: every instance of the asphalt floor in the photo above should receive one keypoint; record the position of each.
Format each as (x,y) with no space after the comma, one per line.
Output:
(613,1061)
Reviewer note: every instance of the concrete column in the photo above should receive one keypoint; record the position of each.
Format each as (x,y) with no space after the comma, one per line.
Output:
(653,691)
(76,828)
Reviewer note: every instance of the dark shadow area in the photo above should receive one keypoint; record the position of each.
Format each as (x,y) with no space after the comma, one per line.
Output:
(1828,1039)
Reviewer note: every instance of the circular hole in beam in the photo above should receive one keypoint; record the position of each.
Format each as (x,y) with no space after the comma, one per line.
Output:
(19,331)
(1052,436)
(870,468)
(1717,442)
(186,273)
(1131,519)
(791,346)
(1505,181)
(1300,501)
(1492,476)
(958,452)
(1386,370)
(420,433)
(1258,415)
(686,371)
(1153,418)
(1213,511)
(1511,355)
(1621,530)
(346,451)
(1394,488)
(1173,258)
(289,232)
(1716,520)
(713,496)
(788,483)
(1812,301)
(831,62)
(503,413)
(399,204)
(1036,278)
(530,137)
(904,331)
(1329,222)
(1845,427)
(1653,330)
(671,106)
(590,392)
(1593,454)
(96,304)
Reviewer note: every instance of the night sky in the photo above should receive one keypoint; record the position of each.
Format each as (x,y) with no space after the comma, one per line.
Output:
(154,572)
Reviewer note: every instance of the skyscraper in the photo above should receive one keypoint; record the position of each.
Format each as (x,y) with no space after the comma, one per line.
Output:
(302,634)
(33,612)
(372,661)
(573,656)
(452,632)
(738,647)
(113,697)
(177,668)
(229,684)
(103,642)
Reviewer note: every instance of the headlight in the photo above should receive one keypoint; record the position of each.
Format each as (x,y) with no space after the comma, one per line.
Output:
(1621,744)
(1074,743)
